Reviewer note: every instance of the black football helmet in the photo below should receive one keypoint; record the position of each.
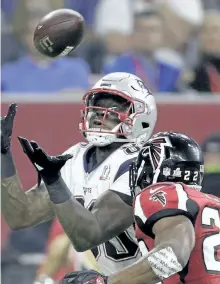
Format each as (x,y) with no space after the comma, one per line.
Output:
(167,157)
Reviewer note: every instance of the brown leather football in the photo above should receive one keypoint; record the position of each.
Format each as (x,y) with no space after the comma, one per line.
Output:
(59,32)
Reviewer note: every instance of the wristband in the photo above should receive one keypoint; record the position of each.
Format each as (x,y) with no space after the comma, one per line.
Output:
(58,191)
(164,263)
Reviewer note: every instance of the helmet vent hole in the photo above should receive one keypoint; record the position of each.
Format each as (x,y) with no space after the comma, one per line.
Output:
(145,125)
(167,153)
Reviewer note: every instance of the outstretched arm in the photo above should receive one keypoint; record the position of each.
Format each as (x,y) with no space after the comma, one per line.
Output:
(109,217)
(20,209)
(174,241)
(24,209)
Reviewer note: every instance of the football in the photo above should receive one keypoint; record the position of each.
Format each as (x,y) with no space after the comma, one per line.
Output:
(59,32)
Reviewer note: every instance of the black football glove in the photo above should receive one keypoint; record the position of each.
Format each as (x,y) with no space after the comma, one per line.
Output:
(48,167)
(84,277)
(6,128)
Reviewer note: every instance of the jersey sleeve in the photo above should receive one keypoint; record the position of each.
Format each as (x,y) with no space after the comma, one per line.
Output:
(121,187)
(121,179)
(159,201)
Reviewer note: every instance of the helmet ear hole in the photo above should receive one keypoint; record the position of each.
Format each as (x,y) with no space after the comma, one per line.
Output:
(145,125)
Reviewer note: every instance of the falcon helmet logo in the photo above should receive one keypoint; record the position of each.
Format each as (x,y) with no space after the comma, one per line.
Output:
(160,197)
(155,149)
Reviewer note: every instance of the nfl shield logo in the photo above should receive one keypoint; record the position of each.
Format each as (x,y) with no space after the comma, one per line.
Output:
(105,173)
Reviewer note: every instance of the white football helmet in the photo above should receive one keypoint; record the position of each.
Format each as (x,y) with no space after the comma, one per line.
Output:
(137,122)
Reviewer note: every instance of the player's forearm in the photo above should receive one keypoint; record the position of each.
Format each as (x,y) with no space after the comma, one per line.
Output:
(22,209)
(110,216)
(157,265)
(164,260)
(14,200)
(179,235)
(138,273)
(79,224)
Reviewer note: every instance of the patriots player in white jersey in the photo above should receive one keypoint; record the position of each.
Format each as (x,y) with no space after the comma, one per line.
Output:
(118,112)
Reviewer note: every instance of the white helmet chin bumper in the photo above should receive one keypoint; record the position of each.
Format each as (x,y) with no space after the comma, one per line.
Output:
(100,139)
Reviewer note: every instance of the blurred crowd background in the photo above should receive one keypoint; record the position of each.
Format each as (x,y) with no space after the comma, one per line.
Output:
(173,45)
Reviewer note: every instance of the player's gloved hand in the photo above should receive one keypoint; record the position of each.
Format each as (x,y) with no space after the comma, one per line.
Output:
(48,167)
(84,277)
(6,128)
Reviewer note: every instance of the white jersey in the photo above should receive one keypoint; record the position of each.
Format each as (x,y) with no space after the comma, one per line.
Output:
(112,173)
